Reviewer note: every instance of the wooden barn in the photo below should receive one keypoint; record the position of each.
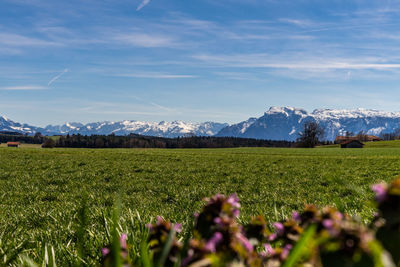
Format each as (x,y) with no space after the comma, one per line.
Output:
(366,138)
(13,144)
(352,144)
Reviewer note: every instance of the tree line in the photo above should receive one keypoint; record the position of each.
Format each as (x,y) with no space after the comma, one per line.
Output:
(17,137)
(395,135)
(311,136)
(139,141)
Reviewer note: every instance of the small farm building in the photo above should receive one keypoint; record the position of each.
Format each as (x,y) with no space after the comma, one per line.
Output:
(352,144)
(367,138)
(13,144)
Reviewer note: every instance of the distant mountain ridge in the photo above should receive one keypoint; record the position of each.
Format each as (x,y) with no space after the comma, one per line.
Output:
(11,126)
(278,123)
(284,123)
(161,129)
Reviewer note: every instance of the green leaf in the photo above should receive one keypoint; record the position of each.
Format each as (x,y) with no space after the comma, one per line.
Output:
(167,248)
(301,246)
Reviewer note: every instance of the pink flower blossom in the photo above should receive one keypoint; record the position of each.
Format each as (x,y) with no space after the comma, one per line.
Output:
(272,237)
(123,239)
(286,251)
(105,251)
(214,241)
(380,192)
(178,227)
(245,242)
(279,228)
(218,221)
(269,250)
(296,216)
(327,223)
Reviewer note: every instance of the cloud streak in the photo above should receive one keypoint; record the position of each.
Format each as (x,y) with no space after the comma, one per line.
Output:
(157,75)
(142,4)
(55,78)
(145,40)
(23,88)
(16,40)
(306,63)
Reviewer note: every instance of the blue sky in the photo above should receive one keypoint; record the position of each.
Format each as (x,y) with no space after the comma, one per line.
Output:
(208,60)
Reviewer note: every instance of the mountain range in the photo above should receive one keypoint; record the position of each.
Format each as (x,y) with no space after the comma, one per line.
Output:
(162,129)
(284,123)
(278,123)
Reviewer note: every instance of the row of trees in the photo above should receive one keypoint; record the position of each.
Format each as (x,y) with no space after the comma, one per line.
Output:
(311,135)
(138,141)
(15,137)
(391,136)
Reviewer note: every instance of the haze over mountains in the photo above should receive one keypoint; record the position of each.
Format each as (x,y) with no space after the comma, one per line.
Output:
(278,123)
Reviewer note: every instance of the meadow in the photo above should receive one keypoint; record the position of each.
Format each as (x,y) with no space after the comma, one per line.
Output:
(42,190)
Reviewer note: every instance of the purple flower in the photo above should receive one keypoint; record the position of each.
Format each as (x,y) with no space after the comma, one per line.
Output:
(296,216)
(245,242)
(150,226)
(236,213)
(272,237)
(105,251)
(327,223)
(234,201)
(279,228)
(214,242)
(268,249)
(178,227)
(160,220)
(286,251)
(339,215)
(380,192)
(218,221)
(122,240)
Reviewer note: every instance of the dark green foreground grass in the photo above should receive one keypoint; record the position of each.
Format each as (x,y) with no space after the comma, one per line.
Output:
(41,190)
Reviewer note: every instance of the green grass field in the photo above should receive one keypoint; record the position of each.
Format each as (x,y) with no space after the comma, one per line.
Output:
(41,190)
(23,145)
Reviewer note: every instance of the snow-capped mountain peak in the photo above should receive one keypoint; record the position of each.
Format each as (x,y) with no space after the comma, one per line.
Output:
(284,123)
(277,123)
(162,129)
(4,118)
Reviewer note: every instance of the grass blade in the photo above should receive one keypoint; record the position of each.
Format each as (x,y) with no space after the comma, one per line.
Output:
(298,250)
(167,248)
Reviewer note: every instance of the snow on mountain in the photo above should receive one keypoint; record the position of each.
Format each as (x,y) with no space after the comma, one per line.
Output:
(284,123)
(278,123)
(7,125)
(162,129)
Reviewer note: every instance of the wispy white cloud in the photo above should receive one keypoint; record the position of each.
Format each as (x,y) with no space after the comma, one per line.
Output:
(297,22)
(55,78)
(16,40)
(143,4)
(23,88)
(162,107)
(145,40)
(302,63)
(155,75)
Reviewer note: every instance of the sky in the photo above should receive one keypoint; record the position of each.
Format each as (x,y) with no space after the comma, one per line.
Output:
(197,60)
